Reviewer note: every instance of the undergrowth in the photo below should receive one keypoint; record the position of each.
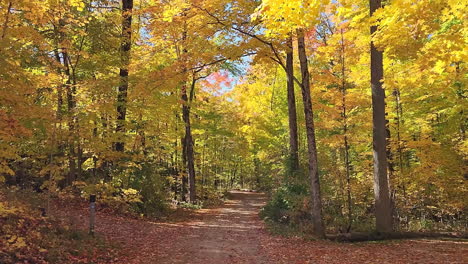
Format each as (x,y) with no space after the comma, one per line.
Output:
(29,236)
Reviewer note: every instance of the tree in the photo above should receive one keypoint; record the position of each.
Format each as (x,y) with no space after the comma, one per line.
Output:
(210,104)
(122,94)
(317,219)
(383,210)
(292,120)
(188,140)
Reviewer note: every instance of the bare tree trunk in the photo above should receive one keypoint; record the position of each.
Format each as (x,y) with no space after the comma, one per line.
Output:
(189,145)
(176,159)
(383,211)
(292,115)
(399,120)
(95,159)
(345,133)
(70,90)
(188,139)
(319,229)
(125,47)
(70,93)
(59,113)
(106,127)
(184,162)
(203,169)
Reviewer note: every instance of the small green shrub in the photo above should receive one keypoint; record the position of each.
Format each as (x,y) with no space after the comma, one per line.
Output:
(212,197)
(190,206)
(120,199)
(288,205)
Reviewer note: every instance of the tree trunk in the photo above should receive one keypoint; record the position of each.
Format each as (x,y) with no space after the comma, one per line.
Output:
(59,113)
(70,93)
(189,145)
(292,115)
(345,134)
(125,46)
(319,229)
(184,169)
(186,101)
(399,121)
(383,211)
(203,169)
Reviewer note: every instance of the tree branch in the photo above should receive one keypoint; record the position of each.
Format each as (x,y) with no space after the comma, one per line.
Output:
(277,58)
(7,17)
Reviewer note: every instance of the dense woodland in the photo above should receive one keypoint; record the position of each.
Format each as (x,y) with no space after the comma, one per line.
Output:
(350,114)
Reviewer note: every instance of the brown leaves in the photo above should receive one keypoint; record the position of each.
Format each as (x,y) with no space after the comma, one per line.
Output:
(296,250)
(233,233)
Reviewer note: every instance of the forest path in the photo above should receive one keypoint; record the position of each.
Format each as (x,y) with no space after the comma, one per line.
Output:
(228,234)
(233,233)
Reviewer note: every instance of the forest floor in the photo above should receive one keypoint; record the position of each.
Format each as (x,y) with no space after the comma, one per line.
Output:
(233,233)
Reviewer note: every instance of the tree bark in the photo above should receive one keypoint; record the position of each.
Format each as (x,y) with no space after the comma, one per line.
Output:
(59,112)
(345,134)
(186,101)
(319,229)
(400,147)
(70,88)
(188,145)
(184,169)
(125,47)
(292,115)
(383,211)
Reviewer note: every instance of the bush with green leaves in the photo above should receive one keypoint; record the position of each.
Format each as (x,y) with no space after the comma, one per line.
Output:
(120,199)
(154,188)
(289,204)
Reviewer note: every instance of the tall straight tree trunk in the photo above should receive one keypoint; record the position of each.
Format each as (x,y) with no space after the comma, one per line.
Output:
(189,146)
(189,140)
(399,121)
(184,169)
(187,97)
(59,113)
(345,133)
(70,92)
(179,168)
(125,46)
(383,211)
(203,169)
(319,229)
(292,115)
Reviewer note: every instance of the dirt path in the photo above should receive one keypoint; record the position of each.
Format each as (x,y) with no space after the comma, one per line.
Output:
(227,234)
(230,234)
(234,233)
